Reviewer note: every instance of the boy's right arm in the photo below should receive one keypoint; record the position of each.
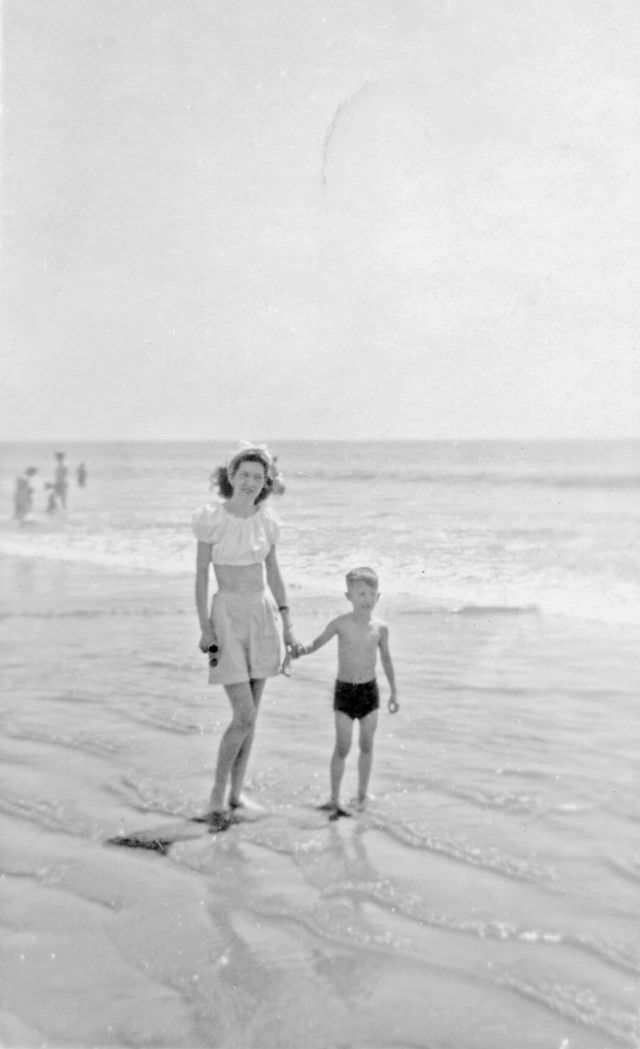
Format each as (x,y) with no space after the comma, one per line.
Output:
(329,631)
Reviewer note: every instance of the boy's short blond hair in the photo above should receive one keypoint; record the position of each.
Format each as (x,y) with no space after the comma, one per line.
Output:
(362,574)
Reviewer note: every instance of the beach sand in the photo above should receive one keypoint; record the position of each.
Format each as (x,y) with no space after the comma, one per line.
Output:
(484,900)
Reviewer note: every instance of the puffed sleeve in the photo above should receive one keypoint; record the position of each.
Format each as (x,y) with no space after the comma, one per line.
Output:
(206,523)
(272,525)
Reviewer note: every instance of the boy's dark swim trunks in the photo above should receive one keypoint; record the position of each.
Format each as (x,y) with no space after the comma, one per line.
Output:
(356,701)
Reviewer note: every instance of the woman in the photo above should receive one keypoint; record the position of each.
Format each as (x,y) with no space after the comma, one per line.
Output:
(238,537)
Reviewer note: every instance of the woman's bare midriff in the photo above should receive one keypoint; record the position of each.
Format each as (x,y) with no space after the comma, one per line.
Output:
(241,579)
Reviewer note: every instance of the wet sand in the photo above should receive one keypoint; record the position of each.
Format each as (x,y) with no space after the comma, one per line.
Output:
(484,900)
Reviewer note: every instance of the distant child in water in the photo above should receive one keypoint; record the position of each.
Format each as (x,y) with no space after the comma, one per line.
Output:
(356,697)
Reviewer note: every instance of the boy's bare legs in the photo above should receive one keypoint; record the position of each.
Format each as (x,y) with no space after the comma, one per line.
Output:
(344,730)
(368,725)
(242,725)
(241,760)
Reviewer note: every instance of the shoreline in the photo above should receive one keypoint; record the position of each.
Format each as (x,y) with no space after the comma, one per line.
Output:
(123,581)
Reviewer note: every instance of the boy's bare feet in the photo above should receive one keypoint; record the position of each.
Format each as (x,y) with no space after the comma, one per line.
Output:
(334,809)
(338,811)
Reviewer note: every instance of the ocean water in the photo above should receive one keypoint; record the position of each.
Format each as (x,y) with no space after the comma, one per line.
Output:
(487,899)
(449,525)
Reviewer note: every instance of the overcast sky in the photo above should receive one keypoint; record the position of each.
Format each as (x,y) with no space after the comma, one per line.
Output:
(321,218)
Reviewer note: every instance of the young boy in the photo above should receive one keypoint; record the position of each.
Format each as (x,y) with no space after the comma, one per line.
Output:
(360,636)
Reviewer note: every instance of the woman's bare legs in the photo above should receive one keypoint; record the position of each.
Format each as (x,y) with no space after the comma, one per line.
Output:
(239,766)
(235,745)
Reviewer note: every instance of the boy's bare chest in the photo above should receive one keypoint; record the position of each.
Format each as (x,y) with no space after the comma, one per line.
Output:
(360,638)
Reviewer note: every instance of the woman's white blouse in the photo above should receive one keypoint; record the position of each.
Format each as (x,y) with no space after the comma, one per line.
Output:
(236,540)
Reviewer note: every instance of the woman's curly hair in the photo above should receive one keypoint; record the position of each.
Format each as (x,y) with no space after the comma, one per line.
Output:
(220,478)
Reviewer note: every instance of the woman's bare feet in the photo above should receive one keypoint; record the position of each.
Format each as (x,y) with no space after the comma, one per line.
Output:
(244,808)
(215,820)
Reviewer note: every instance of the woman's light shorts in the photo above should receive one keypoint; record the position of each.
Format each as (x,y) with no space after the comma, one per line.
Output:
(246,630)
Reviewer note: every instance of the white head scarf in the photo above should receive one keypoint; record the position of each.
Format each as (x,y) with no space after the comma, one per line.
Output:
(250,448)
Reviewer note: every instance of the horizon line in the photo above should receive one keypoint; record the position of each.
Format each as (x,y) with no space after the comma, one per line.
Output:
(539,439)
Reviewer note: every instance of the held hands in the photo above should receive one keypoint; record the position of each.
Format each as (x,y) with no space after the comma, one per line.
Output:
(393,704)
(293,650)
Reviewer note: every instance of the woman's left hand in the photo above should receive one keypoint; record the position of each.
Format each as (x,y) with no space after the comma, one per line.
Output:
(292,645)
